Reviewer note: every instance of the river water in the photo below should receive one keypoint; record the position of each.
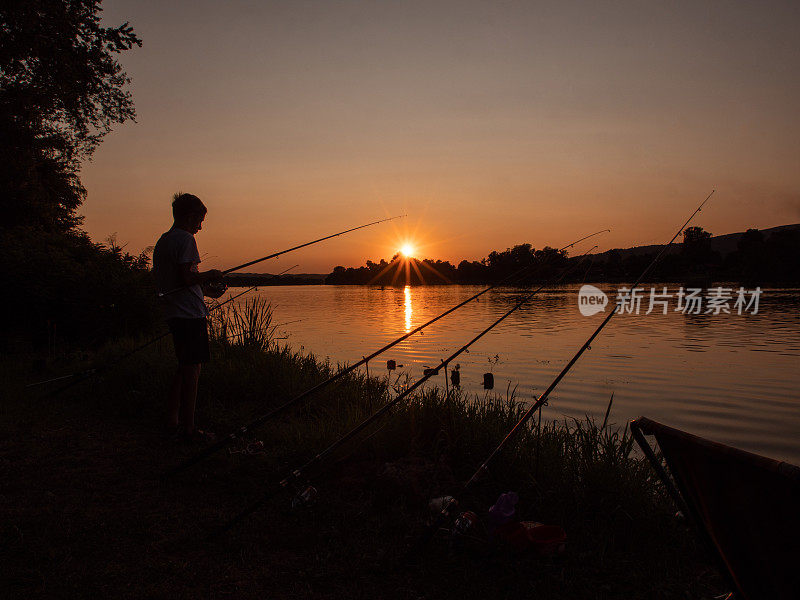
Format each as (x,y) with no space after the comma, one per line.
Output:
(731,377)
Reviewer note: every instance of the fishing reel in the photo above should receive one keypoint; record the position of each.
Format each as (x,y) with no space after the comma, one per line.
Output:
(464,524)
(247,447)
(463,527)
(305,497)
(214,289)
(304,494)
(466,533)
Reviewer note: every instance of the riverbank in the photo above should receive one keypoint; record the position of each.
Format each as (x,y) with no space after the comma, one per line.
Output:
(87,513)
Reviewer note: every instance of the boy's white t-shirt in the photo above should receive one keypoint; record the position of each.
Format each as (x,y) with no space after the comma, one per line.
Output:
(178,247)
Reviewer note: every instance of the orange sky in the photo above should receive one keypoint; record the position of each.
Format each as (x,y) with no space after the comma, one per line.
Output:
(489,123)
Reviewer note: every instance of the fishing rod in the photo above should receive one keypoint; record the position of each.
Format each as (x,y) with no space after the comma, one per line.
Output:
(84,375)
(297,474)
(273,255)
(445,513)
(223,442)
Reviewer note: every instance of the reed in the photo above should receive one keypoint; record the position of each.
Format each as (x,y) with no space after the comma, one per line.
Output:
(248,323)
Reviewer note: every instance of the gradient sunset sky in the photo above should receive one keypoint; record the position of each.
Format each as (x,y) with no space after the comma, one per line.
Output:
(489,123)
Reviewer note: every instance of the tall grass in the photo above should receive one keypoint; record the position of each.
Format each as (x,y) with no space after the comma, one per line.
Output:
(249,324)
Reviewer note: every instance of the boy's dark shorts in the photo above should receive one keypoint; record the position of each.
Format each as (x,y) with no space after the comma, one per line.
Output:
(191,340)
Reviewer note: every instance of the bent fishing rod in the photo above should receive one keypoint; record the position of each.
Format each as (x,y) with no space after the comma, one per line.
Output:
(223,442)
(292,249)
(296,475)
(84,375)
(445,513)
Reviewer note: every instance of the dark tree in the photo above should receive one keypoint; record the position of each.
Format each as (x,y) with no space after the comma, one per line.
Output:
(695,236)
(471,272)
(61,90)
(696,248)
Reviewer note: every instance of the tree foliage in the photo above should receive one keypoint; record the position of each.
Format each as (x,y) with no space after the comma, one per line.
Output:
(68,288)
(61,90)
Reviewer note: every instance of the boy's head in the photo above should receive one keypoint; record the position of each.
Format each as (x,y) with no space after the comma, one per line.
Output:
(188,211)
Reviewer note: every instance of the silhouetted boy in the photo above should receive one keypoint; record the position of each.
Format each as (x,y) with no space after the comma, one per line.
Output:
(175,261)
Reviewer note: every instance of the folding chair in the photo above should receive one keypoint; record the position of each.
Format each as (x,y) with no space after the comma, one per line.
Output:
(746,507)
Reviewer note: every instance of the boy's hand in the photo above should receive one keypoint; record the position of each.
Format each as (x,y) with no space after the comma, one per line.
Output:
(192,277)
(214,275)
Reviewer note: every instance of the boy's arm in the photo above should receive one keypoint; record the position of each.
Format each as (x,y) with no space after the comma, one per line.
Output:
(190,277)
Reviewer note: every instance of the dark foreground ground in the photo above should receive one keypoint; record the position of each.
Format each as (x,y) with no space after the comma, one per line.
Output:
(85,512)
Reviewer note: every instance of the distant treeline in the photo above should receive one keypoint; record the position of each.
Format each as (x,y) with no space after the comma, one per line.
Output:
(758,259)
(405,271)
(265,279)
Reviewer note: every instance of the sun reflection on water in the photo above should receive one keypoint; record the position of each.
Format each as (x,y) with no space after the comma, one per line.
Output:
(407,306)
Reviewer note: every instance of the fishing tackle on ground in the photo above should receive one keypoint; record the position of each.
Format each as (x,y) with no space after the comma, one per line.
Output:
(445,514)
(299,473)
(223,442)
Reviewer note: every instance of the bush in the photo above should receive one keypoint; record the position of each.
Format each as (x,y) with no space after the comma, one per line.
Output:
(66,291)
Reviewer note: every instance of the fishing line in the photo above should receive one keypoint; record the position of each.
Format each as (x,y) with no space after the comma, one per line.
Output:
(218,445)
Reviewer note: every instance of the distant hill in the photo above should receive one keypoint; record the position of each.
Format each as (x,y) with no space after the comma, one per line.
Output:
(724,244)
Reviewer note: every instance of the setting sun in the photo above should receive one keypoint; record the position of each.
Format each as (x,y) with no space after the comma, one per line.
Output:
(407,250)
